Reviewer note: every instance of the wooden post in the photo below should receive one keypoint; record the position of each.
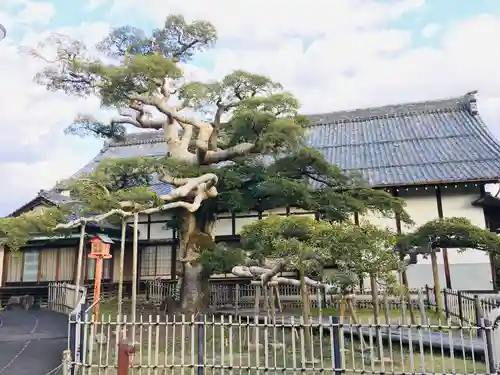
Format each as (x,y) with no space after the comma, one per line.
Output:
(2,255)
(437,287)
(421,307)
(446,307)
(97,287)
(81,246)
(386,308)
(256,308)
(237,299)
(120,271)
(376,315)
(135,250)
(478,313)
(460,307)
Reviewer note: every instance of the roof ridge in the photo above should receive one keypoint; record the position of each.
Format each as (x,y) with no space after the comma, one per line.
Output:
(415,108)
(137,138)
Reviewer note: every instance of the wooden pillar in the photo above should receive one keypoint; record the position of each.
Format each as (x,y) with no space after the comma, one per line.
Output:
(2,264)
(173,260)
(446,262)
(58,263)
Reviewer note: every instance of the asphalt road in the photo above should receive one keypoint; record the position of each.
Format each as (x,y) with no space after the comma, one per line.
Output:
(31,342)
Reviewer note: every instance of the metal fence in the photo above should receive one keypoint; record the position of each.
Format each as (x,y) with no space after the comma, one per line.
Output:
(462,307)
(247,345)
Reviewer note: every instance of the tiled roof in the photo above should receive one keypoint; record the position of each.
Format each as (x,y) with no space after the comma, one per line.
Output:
(440,141)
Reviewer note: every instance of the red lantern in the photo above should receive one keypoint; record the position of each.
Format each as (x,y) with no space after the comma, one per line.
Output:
(100,246)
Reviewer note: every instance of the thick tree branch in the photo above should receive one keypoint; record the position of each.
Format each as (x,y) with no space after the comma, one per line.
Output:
(202,187)
(264,276)
(166,177)
(230,153)
(216,124)
(204,129)
(142,119)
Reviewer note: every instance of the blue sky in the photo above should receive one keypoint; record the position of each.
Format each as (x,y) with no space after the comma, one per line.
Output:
(332,54)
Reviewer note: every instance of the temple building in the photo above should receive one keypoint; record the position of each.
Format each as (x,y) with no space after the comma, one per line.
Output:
(438,155)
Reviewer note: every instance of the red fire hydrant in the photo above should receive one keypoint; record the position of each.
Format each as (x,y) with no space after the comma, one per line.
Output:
(126,353)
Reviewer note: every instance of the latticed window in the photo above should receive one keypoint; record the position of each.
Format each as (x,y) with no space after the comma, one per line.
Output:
(148,256)
(156,261)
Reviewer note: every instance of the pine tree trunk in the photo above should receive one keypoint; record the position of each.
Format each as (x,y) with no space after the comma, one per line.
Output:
(195,288)
(409,304)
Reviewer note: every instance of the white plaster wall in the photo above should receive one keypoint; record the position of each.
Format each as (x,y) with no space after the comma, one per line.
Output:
(464,276)
(421,209)
(460,206)
(159,231)
(381,221)
(143,228)
(224,225)
(242,221)
(469,270)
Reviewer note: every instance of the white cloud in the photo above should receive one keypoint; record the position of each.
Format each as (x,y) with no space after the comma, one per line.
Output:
(332,55)
(37,12)
(430,30)
(21,13)
(94,4)
(34,153)
(270,20)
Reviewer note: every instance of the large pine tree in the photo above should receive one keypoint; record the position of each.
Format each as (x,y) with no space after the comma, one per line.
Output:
(234,145)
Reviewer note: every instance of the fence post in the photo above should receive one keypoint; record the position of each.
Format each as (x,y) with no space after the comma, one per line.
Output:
(337,348)
(66,362)
(201,345)
(126,353)
(477,311)
(237,298)
(427,296)
(460,307)
(487,326)
(446,307)
(82,327)
(73,346)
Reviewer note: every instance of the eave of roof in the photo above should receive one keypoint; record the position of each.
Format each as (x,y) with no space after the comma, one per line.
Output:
(44,197)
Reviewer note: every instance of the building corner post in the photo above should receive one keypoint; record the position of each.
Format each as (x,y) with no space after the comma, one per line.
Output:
(2,255)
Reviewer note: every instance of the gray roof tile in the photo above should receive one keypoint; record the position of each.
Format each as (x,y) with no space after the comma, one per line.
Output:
(404,144)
